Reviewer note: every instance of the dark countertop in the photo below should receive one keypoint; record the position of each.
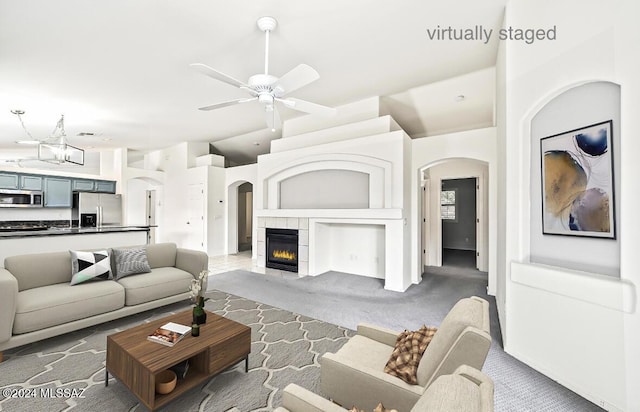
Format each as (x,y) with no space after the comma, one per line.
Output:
(73,231)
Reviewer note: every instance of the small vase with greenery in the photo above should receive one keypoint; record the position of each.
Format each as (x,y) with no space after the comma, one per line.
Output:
(197,290)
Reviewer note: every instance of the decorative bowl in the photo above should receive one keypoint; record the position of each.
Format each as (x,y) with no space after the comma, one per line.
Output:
(166,381)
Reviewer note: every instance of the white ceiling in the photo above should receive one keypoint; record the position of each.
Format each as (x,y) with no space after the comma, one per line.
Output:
(120,69)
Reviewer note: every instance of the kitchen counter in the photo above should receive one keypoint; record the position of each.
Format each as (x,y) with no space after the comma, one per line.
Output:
(59,239)
(73,231)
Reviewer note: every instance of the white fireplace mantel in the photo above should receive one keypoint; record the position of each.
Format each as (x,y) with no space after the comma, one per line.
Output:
(332,213)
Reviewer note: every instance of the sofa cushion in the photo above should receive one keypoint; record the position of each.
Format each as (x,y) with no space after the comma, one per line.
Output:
(161,254)
(47,306)
(86,266)
(130,261)
(160,283)
(39,269)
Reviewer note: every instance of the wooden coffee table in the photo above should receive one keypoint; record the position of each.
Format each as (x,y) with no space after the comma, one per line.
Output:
(135,361)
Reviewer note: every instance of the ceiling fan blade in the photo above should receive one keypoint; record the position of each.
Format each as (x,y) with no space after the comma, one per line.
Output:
(307,107)
(296,78)
(208,71)
(227,103)
(272,116)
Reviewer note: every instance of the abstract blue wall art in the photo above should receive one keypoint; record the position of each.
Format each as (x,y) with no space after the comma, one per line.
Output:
(577,182)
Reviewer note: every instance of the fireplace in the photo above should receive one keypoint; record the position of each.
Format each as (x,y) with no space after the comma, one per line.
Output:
(282,249)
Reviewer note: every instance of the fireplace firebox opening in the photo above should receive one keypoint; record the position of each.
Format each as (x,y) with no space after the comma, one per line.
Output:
(282,249)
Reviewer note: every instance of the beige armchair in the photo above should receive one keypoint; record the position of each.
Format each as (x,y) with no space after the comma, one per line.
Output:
(355,374)
(466,390)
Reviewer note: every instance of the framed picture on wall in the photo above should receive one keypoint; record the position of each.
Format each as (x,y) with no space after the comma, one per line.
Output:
(577,182)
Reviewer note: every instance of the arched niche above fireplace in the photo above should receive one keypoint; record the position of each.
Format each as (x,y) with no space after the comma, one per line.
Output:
(367,180)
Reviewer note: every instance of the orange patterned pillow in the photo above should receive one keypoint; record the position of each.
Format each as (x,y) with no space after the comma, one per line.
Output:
(408,351)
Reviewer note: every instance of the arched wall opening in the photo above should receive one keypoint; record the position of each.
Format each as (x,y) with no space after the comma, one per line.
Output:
(430,223)
(240,223)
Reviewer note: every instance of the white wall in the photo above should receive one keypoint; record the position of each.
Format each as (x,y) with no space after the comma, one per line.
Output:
(350,113)
(478,145)
(533,76)
(180,172)
(215,220)
(627,68)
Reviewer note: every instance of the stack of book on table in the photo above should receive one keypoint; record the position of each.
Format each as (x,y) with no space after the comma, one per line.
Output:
(169,334)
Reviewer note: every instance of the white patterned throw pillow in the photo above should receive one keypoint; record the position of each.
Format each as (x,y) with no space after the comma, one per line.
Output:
(131,262)
(87,266)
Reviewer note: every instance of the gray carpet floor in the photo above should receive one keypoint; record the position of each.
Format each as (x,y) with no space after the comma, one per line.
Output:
(346,300)
(67,372)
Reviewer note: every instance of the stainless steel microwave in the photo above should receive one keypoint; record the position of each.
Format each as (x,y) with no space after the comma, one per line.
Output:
(21,198)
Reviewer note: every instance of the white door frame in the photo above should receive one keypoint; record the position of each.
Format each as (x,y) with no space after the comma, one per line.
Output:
(425,221)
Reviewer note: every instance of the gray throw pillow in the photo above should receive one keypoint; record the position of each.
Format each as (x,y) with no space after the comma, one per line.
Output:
(130,262)
(87,266)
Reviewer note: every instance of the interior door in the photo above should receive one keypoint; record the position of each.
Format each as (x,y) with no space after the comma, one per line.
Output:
(425,224)
(195,217)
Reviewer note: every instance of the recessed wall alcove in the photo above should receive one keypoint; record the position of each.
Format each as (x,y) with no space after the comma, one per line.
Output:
(577,107)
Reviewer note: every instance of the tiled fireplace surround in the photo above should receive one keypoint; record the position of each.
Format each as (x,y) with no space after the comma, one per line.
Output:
(301,224)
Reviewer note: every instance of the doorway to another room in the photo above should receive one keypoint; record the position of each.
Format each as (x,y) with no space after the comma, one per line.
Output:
(245,216)
(458,211)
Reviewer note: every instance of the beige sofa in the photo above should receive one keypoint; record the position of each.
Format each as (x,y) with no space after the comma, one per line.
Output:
(355,374)
(466,390)
(37,301)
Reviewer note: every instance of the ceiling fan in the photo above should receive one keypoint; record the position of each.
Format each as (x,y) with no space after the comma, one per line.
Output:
(268,89)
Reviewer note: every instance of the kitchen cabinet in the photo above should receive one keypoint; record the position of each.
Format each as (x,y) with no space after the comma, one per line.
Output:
(105,186)
(83,185)
(8,181)
(30,182)
(57,192)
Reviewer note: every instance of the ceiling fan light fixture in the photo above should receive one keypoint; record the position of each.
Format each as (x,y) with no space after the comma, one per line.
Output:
(267,99)
(266,88)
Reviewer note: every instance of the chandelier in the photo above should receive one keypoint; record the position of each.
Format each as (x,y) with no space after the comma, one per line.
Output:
(55,148)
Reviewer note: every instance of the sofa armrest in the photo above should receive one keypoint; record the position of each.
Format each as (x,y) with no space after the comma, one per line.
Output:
(192,261)
(379,334)
(8,302)
(351,384)
(298,399)
(470,348)
(472,374)
(486,323)
(483,381)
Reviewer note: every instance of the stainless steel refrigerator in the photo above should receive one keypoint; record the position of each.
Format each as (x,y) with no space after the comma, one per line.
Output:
(96,209)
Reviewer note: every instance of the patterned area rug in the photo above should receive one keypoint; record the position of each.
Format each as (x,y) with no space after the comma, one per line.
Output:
(67,372)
